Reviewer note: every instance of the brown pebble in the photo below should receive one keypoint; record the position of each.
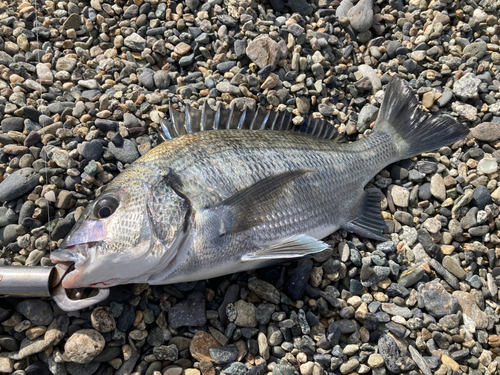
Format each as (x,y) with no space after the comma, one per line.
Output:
(200,345)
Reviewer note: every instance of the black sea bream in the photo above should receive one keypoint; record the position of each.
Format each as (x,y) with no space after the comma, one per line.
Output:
(209,203)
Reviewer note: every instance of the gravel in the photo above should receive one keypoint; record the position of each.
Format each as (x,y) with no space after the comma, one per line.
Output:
(82,89)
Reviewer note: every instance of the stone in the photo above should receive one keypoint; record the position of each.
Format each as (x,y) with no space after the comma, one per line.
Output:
(453,266)
(37,311)
(477,50)
(72,22)
(66,64)
(303,104)
(135,42)
(161,79)
(400,195)
(224,355)
(486,132)
(361,15)
(470,308)
(487,165)
(18,183)
(264,51)
(264,290)
(245,314)
(366,116)
(297,284)
(389,351)
(12,124)
(83,346)
(189,313)
(127,153)
(166,353)
(438,302)
(201,344)
(467,87)
(437,187)
(102,319)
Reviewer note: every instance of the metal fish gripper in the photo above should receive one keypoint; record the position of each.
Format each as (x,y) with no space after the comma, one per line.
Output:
(25,281)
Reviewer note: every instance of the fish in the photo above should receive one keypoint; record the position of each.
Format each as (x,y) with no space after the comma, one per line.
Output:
(233,191)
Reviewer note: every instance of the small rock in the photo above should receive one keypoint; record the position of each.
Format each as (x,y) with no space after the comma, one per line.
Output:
(264,51)
(224,355)
(437,300)
(389,351)
(37,311)
(83,346)
(200,345)
(18,183)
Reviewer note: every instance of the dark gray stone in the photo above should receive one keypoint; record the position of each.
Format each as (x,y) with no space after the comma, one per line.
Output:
(12,124)
(224,354)
(389,351)
(189,313)
(37,311)
(18,183)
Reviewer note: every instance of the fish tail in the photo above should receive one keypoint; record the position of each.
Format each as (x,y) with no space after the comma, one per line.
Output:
(412,130)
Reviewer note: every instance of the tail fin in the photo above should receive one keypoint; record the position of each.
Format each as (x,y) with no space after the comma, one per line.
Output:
(413,130)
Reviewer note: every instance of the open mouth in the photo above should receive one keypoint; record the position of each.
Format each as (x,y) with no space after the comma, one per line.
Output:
(77,255)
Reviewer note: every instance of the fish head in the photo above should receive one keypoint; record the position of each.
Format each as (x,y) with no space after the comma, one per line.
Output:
(128,234)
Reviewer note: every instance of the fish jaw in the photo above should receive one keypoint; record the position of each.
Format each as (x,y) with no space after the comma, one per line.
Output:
(81,257)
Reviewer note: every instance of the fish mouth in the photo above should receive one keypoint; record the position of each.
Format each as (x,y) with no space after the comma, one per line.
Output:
(78,256)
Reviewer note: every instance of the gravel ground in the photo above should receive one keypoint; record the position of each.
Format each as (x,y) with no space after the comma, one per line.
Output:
(82,88)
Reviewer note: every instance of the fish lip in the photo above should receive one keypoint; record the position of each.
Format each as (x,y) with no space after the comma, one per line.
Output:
(78,256)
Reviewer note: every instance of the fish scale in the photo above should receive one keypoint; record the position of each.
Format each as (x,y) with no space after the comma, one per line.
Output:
(208,203)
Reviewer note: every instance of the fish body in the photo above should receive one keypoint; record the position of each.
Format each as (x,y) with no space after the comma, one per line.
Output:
(211,203)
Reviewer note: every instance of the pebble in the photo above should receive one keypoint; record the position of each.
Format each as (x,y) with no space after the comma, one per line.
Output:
(18,183)
(486,132)
(200,345)
(264,51)
(37,311)
(389,351)
(190,312)
(83,346)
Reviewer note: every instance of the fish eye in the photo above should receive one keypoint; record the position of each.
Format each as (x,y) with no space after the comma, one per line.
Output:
(105,207)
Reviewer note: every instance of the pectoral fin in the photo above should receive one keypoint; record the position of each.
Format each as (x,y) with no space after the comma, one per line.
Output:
(289,248)
(369,222)
(252,205)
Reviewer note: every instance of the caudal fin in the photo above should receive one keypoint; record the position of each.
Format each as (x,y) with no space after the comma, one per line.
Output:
(413,130)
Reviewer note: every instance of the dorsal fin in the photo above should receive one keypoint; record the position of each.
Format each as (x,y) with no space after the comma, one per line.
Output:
(195,120)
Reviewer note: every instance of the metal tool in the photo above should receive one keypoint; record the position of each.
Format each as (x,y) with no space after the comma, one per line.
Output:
(23,281)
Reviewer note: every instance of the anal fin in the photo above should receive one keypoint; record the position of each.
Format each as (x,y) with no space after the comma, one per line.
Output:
(369,222)
(292,247)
